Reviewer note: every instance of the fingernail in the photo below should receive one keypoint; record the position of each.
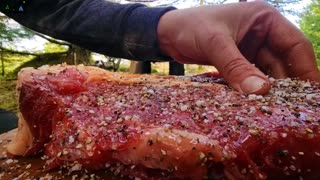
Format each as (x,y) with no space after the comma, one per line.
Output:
(252,84)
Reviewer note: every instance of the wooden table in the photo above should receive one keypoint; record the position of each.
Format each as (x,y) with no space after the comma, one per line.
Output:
(31,167)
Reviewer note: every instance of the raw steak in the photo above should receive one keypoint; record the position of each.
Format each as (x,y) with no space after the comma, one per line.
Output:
(166,127)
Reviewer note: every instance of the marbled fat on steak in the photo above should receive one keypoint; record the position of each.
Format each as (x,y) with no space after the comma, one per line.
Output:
(166,127)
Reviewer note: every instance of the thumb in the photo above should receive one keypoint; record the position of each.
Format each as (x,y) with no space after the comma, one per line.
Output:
(235,68)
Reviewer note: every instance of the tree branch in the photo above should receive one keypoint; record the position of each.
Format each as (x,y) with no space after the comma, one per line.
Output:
(29,53)
(215,2)
(169,4)
(141,1)
(53,40)
(3,17)
(17,52)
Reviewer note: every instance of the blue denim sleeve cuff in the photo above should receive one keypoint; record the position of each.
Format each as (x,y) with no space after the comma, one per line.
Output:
(118,30)
(140,36)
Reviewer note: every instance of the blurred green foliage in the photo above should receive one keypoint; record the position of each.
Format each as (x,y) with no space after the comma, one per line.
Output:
(310,25)
(12,33)
(12,62)
(51,47)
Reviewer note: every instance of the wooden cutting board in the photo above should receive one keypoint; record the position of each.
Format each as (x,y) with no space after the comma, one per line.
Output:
(31,167)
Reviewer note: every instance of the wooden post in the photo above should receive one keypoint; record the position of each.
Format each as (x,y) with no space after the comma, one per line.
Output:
(74,57)
(2,60)
(140,67)
(176,68)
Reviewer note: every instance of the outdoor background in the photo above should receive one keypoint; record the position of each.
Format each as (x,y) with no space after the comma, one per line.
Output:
(21,47)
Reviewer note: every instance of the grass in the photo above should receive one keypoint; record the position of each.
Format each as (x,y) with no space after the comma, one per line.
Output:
(190,69)
(12,62)
(8,99)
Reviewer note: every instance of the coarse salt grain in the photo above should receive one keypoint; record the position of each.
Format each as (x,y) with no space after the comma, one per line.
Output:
(28,166)
(163,152)
(150,91)
(199,103)
(252,97)
(183,107)
(202,155)
(284,135)
(71,139)
(75,167)
(9,161)
(108,118)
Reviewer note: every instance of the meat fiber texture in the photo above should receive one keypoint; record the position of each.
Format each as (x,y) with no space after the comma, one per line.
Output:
(167,127)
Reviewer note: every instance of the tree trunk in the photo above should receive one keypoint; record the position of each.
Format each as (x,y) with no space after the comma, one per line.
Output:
(2,62)
(78,55)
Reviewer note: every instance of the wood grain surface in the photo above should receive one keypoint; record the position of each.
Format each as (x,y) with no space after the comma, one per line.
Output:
(32,167)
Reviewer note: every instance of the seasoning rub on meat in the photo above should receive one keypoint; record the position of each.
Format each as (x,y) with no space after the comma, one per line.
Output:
(166,127)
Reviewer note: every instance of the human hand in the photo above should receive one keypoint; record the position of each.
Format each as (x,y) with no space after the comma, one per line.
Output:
(242,40)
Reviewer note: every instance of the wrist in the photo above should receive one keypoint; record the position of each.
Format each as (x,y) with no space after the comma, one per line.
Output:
(163,32)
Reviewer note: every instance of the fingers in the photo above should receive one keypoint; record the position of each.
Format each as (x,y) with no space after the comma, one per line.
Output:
(294,48)
(222,52)
(302,63)
(271,64)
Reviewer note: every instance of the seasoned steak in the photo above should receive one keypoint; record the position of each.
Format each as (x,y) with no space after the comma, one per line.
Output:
(167,127)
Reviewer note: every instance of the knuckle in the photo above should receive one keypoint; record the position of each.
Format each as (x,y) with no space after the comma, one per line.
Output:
(215,38)
(303,44)
(262,6)
(218,41)
(214,42)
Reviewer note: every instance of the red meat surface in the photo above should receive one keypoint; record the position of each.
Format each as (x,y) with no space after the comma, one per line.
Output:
(166,127)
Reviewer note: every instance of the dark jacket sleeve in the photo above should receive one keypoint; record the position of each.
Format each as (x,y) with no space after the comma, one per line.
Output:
(119,30)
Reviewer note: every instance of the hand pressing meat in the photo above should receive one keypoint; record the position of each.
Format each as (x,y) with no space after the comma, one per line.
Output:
(245,41)
(167,127)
